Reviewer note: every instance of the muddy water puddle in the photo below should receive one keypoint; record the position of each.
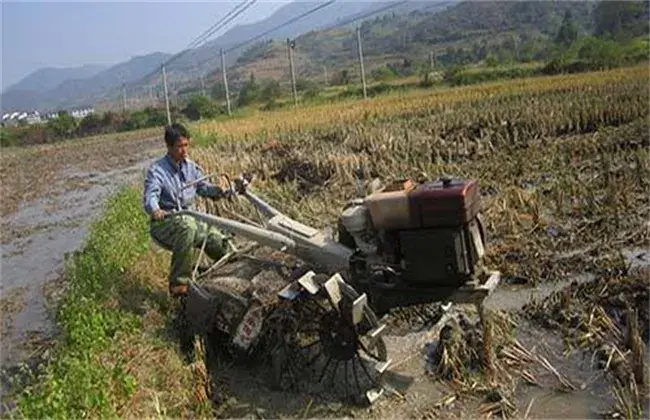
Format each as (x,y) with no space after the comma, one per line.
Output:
(36,239)
(512,298)
(411,393)
(423,396)
(592,397)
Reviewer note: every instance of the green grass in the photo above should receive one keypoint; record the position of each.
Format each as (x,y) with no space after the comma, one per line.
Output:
(77,384)
(92,372)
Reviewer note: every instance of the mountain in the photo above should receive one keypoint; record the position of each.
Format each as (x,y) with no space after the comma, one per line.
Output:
(45,79)
(207,57)
(77,92)
(106,85)
(82,92)
(459,33)
(204,60)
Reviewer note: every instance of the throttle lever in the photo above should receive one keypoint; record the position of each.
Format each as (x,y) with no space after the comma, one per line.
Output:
(242,183)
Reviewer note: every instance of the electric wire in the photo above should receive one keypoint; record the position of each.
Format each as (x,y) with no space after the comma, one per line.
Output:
(282,25)
(211,30)
(241,7)
(229,17)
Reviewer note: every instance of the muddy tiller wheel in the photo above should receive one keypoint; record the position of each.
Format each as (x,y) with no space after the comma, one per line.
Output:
(325,329)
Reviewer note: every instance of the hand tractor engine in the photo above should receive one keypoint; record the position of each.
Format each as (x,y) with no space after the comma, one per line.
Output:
(408,244)
(414,241)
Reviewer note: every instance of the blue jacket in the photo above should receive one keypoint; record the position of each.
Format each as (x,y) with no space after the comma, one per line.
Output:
(164,180)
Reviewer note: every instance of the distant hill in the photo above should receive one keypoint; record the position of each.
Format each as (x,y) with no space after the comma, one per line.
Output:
(463,32)
(205,59)
(81,92)
(45,79)
(106,85)
(454,32)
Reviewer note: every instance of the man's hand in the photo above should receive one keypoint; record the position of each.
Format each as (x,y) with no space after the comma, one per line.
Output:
(158,214)
(221,193)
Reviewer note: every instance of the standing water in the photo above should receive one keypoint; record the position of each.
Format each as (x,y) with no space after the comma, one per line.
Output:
(36,239)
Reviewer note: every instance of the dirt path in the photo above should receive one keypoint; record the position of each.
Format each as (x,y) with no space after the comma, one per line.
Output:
(50,195)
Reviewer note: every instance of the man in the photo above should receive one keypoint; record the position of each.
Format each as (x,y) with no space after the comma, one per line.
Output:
(163,194)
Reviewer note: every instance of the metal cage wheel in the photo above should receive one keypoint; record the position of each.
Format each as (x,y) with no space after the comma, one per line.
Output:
(329,331)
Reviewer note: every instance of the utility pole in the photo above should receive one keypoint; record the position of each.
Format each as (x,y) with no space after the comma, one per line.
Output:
(327,79)
(290,46)
(151,100)
(225,80)
(363,73)
(169,116)
(198,68)
(432,61)
(123,97)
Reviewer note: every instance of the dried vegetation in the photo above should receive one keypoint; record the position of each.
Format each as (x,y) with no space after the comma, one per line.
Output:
(563,166)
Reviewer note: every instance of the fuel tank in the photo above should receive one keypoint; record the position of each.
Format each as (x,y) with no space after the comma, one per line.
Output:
(443,203)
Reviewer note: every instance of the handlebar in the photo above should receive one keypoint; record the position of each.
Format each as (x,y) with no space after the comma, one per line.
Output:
(239,186)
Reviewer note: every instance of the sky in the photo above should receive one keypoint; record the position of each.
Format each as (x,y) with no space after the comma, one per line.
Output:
(71,34)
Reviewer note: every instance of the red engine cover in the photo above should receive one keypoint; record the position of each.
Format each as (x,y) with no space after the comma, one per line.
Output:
(448,202)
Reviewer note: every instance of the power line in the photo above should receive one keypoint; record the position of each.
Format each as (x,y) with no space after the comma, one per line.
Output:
(383,9)
(229,17)
(214,29)
(365,15)
(211,29)
(315,9)
(280,26)
(243,6)
(290,21)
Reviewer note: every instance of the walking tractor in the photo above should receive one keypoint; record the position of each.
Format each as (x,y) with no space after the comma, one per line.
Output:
(309,302)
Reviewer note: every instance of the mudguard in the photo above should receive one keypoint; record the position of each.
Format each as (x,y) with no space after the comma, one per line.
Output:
(201,309)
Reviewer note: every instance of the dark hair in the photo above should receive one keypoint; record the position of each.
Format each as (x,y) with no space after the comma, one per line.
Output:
(174,132)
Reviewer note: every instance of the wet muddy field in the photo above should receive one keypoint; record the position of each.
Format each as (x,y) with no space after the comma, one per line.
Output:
(537,376)
(566,206)
(47,225)
(50,196)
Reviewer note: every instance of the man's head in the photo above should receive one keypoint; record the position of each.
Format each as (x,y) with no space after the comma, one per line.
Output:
(177,138)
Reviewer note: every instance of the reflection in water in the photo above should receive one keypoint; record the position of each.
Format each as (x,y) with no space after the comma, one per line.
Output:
(55,225)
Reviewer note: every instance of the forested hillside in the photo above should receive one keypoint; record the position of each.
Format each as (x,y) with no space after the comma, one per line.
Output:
(469,32)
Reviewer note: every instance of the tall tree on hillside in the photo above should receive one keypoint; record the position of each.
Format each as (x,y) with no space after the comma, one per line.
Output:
(568,31)
(621,19)
(249,92)
(218,91)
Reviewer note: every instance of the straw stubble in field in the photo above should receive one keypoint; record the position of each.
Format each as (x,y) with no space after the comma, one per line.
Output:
(562,163)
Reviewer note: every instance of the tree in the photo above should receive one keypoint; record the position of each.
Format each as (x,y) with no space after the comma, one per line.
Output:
(64,125)
(384,73)
(601,53)
(112,121)
(621,20)
(218,92)
(271,90)
(135,120)
(200,107)
(303,84)
(91,124)
(342,78)
(249,92)
(156,117)
(568,32)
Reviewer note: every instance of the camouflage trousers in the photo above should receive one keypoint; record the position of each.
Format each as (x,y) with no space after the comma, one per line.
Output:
(184,236)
